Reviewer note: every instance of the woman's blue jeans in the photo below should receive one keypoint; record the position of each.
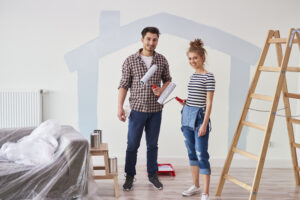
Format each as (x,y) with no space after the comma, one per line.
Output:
(196,146)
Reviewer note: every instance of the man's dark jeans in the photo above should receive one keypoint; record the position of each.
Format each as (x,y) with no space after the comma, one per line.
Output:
(137,122)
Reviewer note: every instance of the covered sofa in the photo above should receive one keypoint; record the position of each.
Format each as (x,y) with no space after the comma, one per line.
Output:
(64,178)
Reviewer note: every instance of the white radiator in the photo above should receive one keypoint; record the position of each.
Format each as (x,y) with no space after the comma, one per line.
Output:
(20,108)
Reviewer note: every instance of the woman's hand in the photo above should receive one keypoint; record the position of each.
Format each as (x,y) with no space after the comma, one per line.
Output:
(181,101)
(202,130)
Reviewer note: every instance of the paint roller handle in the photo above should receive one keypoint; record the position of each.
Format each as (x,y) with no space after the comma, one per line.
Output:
(181,101)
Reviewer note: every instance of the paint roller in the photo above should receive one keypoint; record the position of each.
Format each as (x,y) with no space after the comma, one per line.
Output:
(149,74)
(166,93)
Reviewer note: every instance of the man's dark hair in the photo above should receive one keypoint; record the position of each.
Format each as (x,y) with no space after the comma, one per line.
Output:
(153,30)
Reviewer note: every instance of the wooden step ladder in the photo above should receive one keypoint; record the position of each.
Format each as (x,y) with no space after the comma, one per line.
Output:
(272,38)
(103,151)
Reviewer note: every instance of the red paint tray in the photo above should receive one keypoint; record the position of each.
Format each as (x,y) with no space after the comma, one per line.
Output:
(166,168)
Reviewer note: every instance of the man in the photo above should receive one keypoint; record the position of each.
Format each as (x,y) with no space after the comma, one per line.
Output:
(146,112)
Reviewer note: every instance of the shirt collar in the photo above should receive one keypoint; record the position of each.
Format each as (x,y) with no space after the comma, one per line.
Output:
(138,53)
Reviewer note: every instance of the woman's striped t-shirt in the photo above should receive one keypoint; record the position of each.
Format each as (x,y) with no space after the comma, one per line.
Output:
(198,86)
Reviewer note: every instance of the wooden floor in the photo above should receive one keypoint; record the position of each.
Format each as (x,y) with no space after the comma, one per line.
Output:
(275,184)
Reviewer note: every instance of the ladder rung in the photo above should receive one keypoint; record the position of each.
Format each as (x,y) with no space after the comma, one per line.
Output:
(109,176)
(253,125)
(293,69)
(296,145)
(277,69)
(238,182)
(99,167)
(296,121)
(292,95)
(269,69)
(244,153)
(262,97)
(281,40)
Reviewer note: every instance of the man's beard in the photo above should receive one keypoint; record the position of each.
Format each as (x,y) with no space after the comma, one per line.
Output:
(150,48)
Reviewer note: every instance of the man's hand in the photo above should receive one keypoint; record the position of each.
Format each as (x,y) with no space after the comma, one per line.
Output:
(121,114)
(121,98)
(156,90)
(202,130)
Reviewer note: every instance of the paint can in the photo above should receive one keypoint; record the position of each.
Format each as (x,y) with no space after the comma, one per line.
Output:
(96,139)
(113,165)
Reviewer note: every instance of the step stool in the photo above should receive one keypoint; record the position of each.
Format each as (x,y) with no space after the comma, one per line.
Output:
(103,151)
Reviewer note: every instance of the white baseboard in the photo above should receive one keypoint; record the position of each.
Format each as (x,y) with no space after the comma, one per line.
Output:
(238,162)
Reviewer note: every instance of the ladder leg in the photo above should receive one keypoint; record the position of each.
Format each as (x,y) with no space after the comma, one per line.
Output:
(291,134)
(292,140)
(266,141)
(259,169)
(288,112)
(261,162)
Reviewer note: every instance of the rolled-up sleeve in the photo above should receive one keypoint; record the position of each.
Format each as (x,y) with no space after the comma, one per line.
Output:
(126,78)
(166,77)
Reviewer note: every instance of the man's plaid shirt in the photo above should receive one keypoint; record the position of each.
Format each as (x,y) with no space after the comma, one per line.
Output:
(142,98)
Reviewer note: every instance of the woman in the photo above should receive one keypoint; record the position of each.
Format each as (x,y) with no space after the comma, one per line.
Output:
(195,119)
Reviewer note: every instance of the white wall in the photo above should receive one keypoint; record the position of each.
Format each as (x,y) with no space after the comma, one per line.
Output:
(35,36)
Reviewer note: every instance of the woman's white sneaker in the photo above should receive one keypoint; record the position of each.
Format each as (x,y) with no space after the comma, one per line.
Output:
(204,197)
(191,191)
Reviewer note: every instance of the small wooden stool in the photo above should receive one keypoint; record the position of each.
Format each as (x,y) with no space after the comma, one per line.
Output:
(103,151)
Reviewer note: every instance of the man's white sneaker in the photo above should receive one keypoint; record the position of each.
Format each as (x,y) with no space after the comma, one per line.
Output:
(191,191)
(204,197)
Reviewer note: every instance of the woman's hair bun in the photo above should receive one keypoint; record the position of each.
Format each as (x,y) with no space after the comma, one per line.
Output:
(197,43)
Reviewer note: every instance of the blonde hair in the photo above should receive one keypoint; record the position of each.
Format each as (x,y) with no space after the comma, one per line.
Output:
(197,46)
